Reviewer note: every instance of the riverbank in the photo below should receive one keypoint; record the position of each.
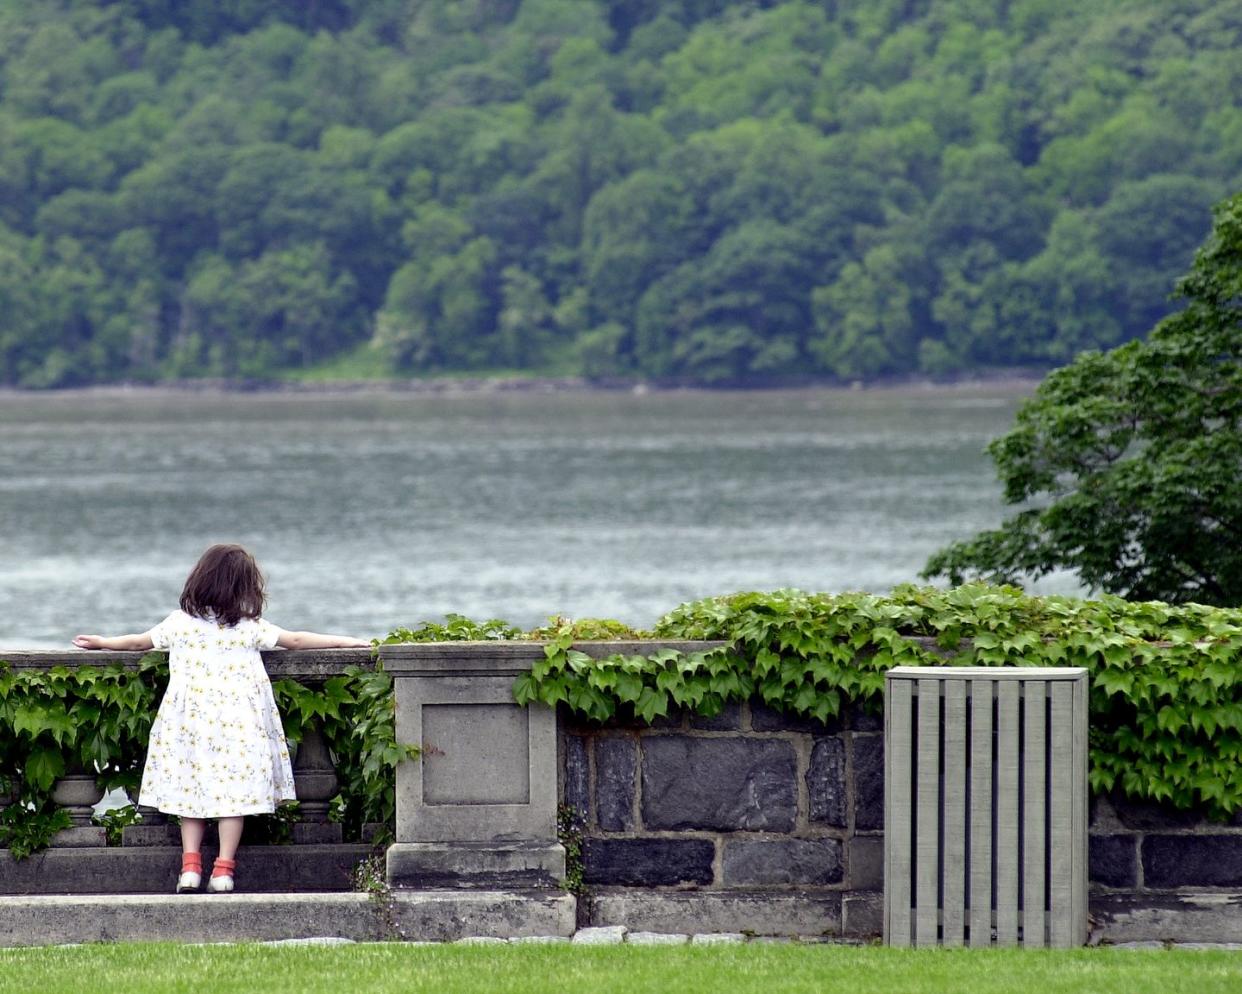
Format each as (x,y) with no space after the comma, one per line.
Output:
(1015,379)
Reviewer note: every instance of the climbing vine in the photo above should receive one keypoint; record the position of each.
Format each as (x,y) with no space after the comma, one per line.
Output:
(1166,681)
(356,714)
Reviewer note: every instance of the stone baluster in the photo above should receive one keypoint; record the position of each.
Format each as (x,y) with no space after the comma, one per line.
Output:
(77,793)
(314,776)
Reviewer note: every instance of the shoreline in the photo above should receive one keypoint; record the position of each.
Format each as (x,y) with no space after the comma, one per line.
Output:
(483,385)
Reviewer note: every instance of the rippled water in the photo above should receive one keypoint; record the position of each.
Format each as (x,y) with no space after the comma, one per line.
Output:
(373,510)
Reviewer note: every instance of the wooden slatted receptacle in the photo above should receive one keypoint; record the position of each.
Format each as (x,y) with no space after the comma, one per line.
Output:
(985,815)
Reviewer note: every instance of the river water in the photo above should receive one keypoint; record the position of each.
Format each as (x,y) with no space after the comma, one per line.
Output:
(372,510)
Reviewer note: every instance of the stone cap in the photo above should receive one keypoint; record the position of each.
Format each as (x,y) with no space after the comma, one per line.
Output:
(297,664)
(497,657)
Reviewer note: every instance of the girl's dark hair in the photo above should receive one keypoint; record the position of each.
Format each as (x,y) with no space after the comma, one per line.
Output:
(226,584)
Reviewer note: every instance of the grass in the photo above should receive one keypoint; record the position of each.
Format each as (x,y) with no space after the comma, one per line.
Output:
(750,969)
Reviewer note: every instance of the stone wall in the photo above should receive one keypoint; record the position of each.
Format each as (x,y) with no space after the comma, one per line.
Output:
(1159,873)
(754,808)
(750,808)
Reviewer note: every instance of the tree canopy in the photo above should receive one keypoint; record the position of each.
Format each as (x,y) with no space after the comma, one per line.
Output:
(1129,460)
(709,190)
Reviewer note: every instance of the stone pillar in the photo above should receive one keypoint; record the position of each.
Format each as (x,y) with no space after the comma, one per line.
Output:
(478,807)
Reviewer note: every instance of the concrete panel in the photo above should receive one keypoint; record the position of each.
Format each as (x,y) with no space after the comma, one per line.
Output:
(460,766)
(47,920)
(476,759)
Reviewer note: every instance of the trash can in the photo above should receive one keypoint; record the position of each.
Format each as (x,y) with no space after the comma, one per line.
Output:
(985,806)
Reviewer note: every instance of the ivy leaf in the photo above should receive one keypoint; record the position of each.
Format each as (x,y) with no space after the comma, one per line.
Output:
(578,661)
(1170,719)
(524,688)
(43,767)
(650,703)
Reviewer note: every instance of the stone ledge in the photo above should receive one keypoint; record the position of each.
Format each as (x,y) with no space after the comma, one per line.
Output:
(1191,917)
(758,913)
(450,914)
(440,916)
(297,664)
(48,919)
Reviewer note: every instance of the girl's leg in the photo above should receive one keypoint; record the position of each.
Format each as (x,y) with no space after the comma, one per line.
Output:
(192,834)
(191,859)
(230,830)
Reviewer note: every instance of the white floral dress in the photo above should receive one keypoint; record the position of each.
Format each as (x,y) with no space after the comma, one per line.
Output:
(217,747)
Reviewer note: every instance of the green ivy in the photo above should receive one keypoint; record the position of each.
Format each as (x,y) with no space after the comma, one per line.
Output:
(456,628)
(356,714)
(1166,681)
(114,821)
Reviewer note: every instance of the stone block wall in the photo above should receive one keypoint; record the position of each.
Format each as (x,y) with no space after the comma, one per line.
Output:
(752,801)
(769,806)
(1159,873)
(1149,849)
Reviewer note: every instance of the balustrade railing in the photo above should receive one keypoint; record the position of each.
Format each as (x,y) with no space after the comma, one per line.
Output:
(314,773)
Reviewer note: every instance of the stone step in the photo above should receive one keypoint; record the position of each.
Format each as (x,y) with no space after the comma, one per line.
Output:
(153,869)
(439,916)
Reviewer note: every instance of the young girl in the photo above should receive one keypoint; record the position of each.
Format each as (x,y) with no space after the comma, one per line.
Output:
(217,748)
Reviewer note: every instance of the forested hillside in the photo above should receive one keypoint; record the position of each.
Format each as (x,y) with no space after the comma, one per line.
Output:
(702,189)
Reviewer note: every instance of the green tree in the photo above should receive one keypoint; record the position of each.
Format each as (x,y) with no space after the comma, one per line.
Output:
(1131,457)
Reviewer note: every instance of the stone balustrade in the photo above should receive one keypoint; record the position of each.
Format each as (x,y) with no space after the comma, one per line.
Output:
(79,859)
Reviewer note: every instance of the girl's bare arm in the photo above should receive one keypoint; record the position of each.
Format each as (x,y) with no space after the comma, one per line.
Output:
(313,640)
(124,643)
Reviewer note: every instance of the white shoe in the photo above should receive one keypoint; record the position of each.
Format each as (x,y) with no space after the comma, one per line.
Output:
(219,885)
(189,880)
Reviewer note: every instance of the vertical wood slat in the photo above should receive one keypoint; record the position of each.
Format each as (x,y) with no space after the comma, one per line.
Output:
(953,879)
(981,812)
(1034,810)
(927,819)
(897,805)
(1060,820)
(1008,700)
(1079,816)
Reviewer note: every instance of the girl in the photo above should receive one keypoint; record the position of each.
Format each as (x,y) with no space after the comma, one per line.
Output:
(217,748)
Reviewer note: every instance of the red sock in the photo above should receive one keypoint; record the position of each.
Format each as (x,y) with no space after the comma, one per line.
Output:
(223,867)
(191,862)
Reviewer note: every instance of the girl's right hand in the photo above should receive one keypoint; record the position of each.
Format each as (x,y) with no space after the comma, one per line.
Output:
(88,641)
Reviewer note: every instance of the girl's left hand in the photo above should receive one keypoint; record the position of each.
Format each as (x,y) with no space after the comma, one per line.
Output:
(88,641)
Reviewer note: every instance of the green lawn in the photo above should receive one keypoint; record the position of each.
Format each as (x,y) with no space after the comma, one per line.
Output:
(762,969)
